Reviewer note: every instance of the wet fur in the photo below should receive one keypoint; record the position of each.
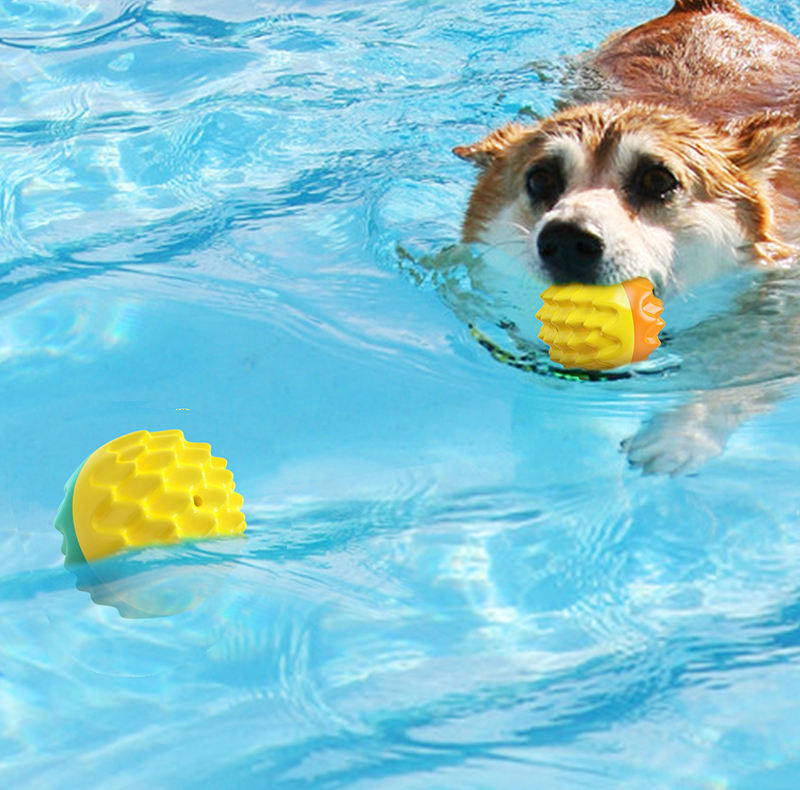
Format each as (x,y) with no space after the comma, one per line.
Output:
(711,92)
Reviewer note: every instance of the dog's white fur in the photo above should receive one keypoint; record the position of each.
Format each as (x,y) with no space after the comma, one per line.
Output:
(707,238)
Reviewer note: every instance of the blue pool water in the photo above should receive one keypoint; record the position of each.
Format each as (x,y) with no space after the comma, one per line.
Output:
(217,217)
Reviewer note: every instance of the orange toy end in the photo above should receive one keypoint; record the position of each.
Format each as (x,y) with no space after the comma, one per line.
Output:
(647,323)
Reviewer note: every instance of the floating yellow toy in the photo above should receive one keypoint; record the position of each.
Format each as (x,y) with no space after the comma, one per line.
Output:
(146,489)
(597,327)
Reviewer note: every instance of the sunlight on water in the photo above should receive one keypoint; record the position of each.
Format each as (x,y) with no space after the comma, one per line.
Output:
(59,325)
(242,221)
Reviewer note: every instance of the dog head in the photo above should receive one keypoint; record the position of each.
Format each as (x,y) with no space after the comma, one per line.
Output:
(606,192)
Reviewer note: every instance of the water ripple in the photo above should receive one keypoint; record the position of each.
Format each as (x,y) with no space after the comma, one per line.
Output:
(84,37)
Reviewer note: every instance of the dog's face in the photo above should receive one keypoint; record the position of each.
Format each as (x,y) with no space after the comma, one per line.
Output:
(607,192)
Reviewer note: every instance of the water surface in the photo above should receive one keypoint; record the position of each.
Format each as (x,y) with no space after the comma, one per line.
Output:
(214,218)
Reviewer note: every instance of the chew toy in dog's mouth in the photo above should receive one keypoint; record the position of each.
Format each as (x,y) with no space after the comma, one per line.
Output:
(600,327)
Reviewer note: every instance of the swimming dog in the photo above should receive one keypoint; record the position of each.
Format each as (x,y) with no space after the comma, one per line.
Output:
(676,159)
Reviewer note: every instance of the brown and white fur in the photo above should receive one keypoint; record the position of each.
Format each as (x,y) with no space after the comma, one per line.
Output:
(678,163)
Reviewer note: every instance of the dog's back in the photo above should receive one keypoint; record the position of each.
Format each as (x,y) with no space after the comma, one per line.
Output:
(707,57)
(711,59)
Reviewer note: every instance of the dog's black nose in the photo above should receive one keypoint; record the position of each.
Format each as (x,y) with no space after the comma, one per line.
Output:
(569,252)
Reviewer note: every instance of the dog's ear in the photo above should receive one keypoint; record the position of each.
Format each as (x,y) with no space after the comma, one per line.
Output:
(484,151)
(758,142)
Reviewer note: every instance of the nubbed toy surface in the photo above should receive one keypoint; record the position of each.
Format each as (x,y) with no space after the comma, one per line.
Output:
(598,327)
(146,489)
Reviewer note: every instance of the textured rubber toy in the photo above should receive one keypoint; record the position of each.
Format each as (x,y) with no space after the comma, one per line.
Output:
(598,327)
(146,489)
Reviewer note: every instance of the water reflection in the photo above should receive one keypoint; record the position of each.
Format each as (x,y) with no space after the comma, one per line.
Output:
(148,585)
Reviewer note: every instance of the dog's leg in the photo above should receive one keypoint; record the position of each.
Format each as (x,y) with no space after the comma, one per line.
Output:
(681,440)
(749,361)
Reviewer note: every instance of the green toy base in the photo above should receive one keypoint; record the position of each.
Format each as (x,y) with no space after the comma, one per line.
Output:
(64,523)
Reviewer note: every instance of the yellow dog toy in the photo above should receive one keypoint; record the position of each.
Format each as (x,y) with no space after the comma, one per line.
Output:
(597,327)
(145,489)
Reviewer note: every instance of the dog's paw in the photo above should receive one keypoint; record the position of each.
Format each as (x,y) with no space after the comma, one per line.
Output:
(676,442)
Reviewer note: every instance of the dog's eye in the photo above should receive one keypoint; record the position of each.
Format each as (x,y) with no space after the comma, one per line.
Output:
(655,182)
(544,183)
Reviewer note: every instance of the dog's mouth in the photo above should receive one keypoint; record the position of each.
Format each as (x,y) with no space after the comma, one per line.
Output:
(568,252)
(605,275)
(658,287)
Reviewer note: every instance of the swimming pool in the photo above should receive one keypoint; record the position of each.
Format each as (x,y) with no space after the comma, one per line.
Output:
(213,218)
